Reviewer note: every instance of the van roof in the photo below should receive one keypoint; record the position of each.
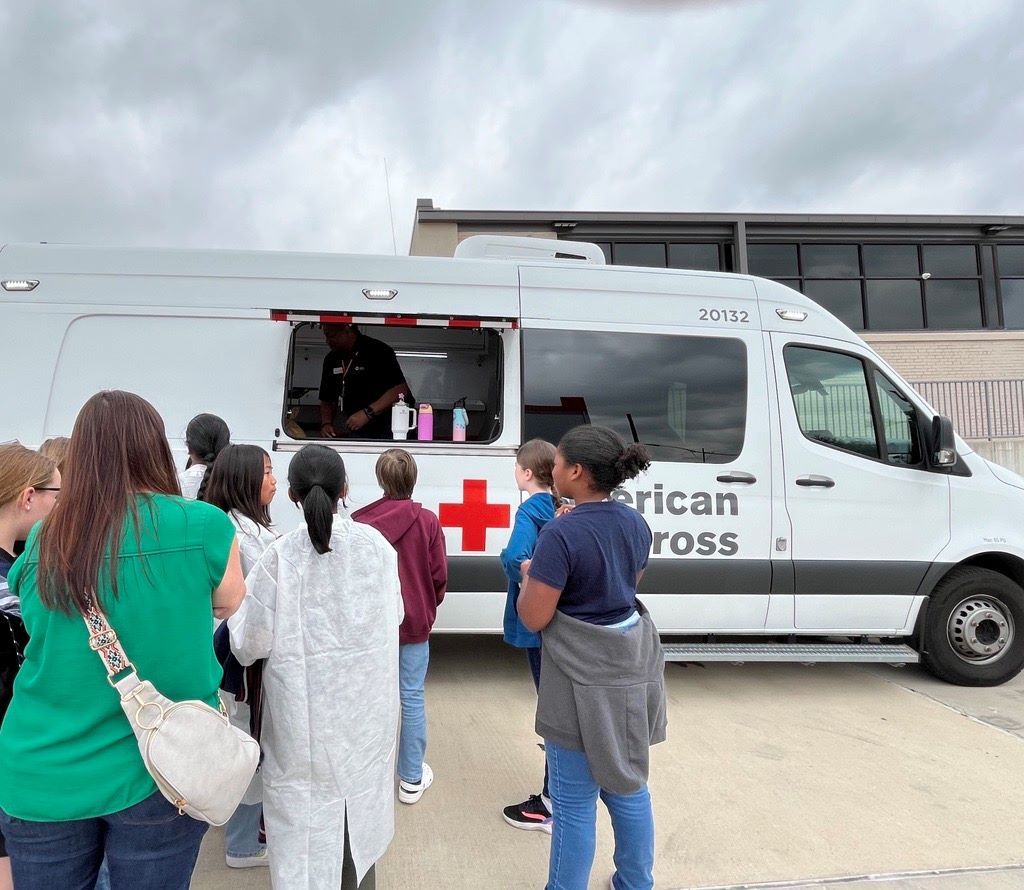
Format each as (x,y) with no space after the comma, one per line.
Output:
(34,261)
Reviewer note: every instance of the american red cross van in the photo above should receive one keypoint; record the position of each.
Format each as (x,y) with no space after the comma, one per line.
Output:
(806,503)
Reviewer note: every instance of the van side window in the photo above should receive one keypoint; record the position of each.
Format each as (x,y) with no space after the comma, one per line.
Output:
(831,397)
(442,366)
(684,397)
(899,423)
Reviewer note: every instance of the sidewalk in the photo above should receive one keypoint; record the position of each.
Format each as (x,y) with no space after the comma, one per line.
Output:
(771,773)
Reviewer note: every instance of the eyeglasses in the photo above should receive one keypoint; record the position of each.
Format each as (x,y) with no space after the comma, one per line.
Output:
(45,488)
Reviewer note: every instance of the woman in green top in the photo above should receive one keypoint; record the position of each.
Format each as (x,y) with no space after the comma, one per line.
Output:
(73,787)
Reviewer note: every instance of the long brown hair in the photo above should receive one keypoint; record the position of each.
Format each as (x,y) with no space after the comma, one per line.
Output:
(118,449)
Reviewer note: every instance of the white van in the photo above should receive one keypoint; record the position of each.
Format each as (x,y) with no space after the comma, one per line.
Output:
(806,503)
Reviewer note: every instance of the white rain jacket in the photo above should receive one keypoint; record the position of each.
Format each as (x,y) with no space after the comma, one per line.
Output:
(328,626)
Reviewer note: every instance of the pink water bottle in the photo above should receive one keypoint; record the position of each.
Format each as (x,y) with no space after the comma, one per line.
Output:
(425,423)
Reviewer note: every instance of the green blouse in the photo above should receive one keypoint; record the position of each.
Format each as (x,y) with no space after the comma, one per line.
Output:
(66,748)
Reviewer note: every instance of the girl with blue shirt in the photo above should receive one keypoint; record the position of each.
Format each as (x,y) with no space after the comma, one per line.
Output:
(535,461)
(602,699)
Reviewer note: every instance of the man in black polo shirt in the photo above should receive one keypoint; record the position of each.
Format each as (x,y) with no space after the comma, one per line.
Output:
(364,375)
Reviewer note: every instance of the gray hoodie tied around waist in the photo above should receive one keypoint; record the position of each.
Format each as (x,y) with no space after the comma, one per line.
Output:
(602,691)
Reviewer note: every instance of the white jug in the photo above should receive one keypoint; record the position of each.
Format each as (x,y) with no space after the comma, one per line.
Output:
(403,419)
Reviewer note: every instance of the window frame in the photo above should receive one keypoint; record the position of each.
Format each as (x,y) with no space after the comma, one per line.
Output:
(748,382)
(868,368)
(367,322)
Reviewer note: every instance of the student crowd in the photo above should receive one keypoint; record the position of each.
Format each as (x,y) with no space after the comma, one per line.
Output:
(319,649)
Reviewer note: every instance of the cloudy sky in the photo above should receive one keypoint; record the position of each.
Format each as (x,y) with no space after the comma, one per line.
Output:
(265,124)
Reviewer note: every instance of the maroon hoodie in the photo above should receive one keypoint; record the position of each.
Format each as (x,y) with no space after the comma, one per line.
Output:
(416,536)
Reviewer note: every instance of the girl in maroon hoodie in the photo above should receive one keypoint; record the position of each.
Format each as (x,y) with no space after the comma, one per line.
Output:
(416,535)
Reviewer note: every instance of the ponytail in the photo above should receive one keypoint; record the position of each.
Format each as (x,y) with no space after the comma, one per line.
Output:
(318,508)
(206,436)
(602,452)
(316,478)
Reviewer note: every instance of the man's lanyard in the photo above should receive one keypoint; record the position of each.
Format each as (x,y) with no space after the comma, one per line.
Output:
(344,373)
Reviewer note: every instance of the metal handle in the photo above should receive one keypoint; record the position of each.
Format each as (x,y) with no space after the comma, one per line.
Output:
(815,481)
(737,476)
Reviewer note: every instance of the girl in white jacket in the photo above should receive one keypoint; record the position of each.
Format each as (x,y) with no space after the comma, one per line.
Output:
(242,484)
(323,607)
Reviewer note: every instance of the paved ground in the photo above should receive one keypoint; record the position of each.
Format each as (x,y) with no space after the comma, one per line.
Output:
(774,776)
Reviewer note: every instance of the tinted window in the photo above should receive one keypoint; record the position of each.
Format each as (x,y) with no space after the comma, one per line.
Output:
(894,305)
(830,260)
(950,260)
(953,305)
(606,249)
(830,394)
(899,423)
(841,298)
(1011,259)
(891,260)
(773,260)
(1013,302)
(629,254)
(686,396)
(694,256)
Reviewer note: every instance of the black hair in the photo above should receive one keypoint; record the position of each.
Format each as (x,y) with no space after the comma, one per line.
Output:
(206,436)
(316,477)
(236,481)
(603,454)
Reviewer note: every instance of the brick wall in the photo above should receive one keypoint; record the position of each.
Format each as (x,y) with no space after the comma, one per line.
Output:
(975,355)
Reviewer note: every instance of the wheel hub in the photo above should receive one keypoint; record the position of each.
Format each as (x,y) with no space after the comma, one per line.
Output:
(980,629)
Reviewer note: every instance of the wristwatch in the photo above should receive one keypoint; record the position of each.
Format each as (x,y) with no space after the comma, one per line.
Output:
(369,411)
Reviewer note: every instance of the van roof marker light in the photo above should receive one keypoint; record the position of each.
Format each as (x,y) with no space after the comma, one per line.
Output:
(379,293)
(791,314)
(19,284)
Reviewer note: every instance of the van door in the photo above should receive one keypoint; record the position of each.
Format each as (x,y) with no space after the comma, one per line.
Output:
(695,396)
(868,517)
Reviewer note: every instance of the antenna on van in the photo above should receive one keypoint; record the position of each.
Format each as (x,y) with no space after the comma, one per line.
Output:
(391,213)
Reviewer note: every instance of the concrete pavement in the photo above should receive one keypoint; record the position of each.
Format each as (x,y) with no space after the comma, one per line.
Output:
(772,773)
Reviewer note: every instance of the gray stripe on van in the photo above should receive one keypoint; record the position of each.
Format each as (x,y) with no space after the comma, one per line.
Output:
(710,577)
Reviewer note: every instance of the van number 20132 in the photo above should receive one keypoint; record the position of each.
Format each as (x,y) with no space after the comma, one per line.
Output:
(739,315)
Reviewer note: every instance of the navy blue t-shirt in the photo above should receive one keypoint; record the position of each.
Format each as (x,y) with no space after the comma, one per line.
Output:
(593,555)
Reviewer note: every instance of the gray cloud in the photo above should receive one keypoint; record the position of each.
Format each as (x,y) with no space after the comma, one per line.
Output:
(261,125)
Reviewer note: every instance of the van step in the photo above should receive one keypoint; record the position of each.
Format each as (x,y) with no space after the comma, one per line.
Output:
(806,653)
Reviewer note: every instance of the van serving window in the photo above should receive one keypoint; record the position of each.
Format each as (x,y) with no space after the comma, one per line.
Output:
(684,397)
(447,363)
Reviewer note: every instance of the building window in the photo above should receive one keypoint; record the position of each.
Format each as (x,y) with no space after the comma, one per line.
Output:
(683,397)
(635,253)
(891,261)
(894,305)
(702,257)
(950,260)
(841,298)
(953,305)
(773,260)
(830,261)
(1011,284)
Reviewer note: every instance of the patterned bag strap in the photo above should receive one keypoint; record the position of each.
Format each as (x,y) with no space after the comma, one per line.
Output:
(103,640)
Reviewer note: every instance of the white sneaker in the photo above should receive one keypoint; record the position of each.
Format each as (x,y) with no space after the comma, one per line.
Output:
(409,792)
(254,861)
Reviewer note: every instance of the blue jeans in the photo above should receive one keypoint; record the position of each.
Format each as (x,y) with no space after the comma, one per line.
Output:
(148,845)
(534,657)
(574,796)
(413,659)
(242,831)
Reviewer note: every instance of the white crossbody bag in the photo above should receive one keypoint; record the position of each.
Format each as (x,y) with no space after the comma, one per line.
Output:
(199,761)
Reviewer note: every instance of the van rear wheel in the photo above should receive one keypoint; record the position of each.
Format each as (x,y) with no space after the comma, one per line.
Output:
(974,628)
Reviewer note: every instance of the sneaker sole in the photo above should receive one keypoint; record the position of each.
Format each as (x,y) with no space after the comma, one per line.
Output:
(528,826)
(247,862)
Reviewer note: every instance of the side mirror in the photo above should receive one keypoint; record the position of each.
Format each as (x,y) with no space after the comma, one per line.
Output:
(943,444)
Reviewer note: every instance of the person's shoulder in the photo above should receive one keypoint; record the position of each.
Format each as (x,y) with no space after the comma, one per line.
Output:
(372,344)
(540,505)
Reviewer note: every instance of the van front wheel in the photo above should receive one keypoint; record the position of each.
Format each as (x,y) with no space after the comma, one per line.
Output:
(974,628)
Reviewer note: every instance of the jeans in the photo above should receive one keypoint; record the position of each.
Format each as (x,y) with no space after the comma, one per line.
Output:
(147,845)
(574,796)
(413,659)
(242,831)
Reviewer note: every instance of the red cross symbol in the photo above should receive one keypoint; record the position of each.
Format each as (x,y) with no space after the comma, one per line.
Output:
(474,515)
